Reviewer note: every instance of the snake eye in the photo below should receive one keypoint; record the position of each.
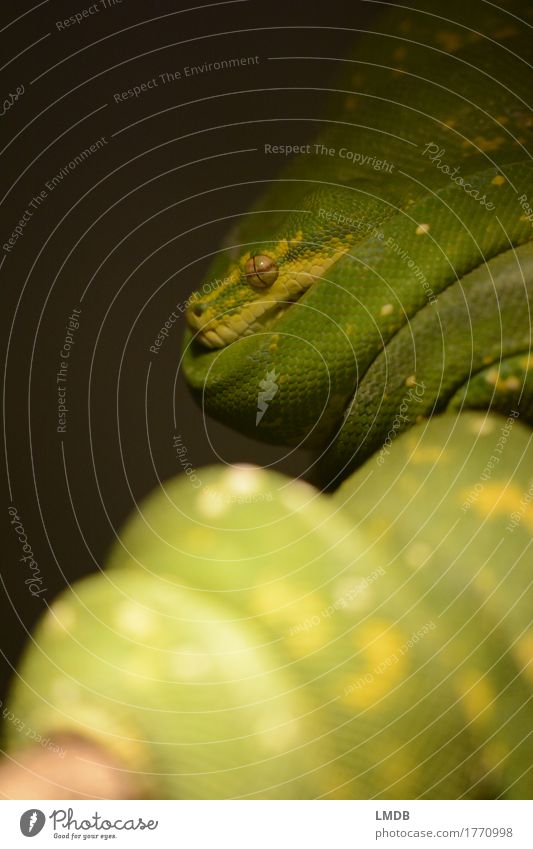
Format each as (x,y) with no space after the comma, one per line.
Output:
(261,271)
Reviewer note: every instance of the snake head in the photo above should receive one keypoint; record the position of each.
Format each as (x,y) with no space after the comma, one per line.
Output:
(256,289)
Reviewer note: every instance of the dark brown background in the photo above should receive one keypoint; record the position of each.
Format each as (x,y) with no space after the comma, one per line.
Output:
(104,222)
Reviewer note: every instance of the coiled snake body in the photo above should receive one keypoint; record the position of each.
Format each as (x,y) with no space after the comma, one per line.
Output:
(256,638)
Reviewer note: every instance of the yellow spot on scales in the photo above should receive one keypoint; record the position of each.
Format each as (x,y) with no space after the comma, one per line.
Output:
(379,665)
(506,32)
(498,180)
(428,454)
(523,651)
(485,580)
(398,769)
(198,539)
(422,229)
(418,554)
(351,103)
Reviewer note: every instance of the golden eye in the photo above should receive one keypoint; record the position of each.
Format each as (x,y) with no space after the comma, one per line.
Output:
(261,271)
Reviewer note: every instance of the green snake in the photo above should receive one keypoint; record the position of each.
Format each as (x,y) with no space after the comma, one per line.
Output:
(253,637)
(346,298)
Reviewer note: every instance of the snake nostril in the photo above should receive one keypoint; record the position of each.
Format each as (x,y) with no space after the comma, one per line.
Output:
(198,309)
